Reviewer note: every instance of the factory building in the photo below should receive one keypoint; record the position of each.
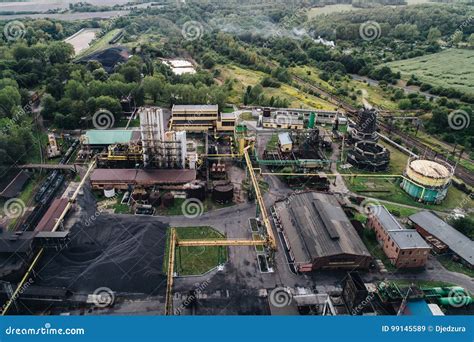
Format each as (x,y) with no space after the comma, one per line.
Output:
(318,235)
(123,179)
(160,149)
(226,122)
(283,121)
(100,139)
(444,238)
(201,118)
(427,181)
(405,248)
(285,142)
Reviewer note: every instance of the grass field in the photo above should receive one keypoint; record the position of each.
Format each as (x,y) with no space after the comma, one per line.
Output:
(176,209)
(389,190)
(454,266)
(437,69)
(196,260)
(315,11)
(245,77)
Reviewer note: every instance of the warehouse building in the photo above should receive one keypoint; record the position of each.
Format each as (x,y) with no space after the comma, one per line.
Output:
(318,235)
(443,237)
(405,248)
(122,179)
(200,118)
(283,121)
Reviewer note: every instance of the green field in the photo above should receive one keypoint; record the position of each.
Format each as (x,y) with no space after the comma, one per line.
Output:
(451,68)
(454,266)
(389,190)
(245,77)
(196,260)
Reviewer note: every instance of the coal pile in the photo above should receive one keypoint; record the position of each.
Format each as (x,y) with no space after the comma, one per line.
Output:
(122,253)
(109,58)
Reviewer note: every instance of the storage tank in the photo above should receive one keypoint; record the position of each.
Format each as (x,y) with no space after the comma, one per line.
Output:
(197,191)
(427,180)
(267,112)
(312,120)
(155,198)
(167,200)
(109,192)
(223,193)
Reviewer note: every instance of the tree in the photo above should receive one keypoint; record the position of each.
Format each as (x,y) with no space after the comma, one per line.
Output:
(470,40)
(60,52)
(457,37)
(49,106)
(153,85)
(130,73)
(75,90)
(406,31)
(434,34)
(208,61)
(9,98)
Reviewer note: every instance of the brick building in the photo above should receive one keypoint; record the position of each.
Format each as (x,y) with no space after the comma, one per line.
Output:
(405,248)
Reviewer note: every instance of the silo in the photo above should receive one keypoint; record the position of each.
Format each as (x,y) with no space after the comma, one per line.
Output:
(426,180)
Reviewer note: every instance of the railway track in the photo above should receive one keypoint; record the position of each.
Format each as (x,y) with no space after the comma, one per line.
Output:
(461,172)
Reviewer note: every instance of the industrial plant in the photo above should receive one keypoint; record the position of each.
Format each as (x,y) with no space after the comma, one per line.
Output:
(240,205)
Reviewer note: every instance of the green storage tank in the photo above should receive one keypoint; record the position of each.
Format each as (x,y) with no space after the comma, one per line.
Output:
(312,120)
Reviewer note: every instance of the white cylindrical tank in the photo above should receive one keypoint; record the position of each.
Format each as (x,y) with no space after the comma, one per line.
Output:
(109,193)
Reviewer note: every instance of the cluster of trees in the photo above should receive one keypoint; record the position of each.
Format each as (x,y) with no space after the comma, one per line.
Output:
(441,91)
(15,125)
(254,95)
